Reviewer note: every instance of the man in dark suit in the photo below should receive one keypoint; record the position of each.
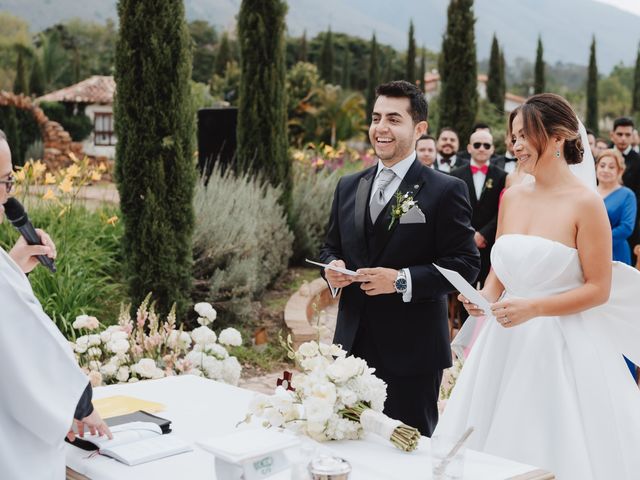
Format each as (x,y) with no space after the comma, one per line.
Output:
(507,162)
(485,182)
(621,136)
(390,222)
(447,146)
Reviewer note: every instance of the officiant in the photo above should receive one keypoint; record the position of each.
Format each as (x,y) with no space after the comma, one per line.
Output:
(43,388)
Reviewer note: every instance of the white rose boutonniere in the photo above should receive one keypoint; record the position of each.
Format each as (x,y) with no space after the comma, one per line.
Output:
(404,202)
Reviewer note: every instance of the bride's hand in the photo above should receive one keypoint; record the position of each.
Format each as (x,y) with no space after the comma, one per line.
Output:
(471,308)
(514,311)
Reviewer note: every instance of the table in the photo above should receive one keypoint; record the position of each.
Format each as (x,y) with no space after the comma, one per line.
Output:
(201,408)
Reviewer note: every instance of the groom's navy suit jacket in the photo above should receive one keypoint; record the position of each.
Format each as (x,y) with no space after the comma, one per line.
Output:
(410,338)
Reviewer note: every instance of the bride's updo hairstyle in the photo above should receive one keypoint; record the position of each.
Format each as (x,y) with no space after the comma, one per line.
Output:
(549,115)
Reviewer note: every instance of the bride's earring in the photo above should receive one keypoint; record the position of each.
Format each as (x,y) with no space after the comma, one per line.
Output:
(557,153)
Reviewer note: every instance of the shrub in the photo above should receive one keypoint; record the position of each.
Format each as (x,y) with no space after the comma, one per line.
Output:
(78,125)
(310,208)
(241,241)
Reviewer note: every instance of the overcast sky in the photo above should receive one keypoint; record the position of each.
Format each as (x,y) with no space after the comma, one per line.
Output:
(628,5)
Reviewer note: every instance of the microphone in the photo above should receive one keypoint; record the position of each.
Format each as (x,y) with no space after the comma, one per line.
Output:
(17,215)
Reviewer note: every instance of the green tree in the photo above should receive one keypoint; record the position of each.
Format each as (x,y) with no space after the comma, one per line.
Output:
(636,84)
(592,90)
(458,70)
(302,81)
(495,80)
(411,56)
(374,75)
(326,59)
(302,52)
(346,70)
(155,172)
(94,45)
(423,69)
(224,55)
(204,38)
(262,107)
(340,114)
(20,84)
(36,79)
(539,80)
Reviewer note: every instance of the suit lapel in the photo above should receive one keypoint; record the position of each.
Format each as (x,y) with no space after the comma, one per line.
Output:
(362,198)
(489,180)
(411,184)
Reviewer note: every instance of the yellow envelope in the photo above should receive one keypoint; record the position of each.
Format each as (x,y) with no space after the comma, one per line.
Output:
(121,405)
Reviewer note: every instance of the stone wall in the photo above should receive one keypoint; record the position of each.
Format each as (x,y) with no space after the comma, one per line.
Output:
(56,141)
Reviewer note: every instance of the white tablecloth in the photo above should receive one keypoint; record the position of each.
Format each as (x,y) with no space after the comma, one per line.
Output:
(200,408)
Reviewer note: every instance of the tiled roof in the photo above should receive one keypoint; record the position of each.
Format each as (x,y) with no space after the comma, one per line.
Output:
(96,89)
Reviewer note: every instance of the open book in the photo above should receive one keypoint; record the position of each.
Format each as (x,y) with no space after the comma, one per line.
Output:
(138,442)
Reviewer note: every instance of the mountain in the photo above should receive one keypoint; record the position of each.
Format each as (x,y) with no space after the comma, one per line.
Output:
(566,26)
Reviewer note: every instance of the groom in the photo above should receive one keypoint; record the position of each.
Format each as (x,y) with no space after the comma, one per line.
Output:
(394,314)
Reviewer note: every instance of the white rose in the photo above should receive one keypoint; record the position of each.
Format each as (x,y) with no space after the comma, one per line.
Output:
(308,349)
(216,350)
(81,345)
(204,309)
(231,370)
(119,346)
(317,410)
(204,321)
(146,367)
(109,370)
(203,335)
(123,374)
(94,340)
(86,321)
(230,336)
(179,340)
(94,352)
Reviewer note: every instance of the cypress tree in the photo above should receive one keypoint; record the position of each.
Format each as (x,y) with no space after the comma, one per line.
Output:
(20,84)
(495,93)
(636,84)
(36,79)
(155,173)
(326,58)
(224,55)
(303,53)
(592,90)
(458,70)
(373,78)
(539,79)
(423,69)
(411,56)
(346,70)
(503,76)
(262,108)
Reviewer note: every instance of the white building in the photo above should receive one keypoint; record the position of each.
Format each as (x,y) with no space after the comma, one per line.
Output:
(95,95)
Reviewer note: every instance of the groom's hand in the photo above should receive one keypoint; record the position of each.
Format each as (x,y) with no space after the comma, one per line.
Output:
(378,280)
(337,279)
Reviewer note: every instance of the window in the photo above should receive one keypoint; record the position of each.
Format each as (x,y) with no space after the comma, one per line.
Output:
(103,129)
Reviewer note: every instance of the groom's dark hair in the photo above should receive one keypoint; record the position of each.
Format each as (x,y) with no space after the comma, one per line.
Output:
(418,107)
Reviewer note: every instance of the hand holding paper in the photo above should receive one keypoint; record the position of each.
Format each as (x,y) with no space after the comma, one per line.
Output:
(337,275)
(465,289)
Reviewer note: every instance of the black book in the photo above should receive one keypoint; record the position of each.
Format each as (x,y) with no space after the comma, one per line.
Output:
(139,416)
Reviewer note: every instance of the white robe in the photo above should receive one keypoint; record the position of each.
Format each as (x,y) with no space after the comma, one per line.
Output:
(40,383)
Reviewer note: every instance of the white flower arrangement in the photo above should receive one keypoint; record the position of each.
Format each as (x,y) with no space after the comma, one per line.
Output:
(147,348)
(335,397)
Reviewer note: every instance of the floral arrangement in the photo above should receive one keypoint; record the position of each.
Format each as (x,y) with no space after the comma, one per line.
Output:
(448,382)
(335,397)
(146,348)
(404,202)
(323,156)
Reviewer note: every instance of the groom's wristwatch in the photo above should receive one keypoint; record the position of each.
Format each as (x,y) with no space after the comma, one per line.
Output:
(401,282)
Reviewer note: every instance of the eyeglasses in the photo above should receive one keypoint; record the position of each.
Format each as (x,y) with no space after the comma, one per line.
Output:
(477,145)
(9,183)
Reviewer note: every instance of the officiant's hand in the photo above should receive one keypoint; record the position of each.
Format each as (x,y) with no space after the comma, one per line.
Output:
(337,279)
(95,424)
(25,255)
(378,280)
(514,311)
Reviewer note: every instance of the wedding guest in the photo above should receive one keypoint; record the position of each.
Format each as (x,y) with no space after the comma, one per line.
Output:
(592,142)
(485,182)
(621,136)
(635,141)
(601,145)
(621,208)
(426,150)
(447,146)
(508,161)
(43,389)
(463,154)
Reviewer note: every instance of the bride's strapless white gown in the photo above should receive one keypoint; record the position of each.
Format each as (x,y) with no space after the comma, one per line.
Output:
(554,392)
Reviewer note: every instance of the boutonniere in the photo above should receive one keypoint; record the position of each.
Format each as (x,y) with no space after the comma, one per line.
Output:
(404,202)
(489,184)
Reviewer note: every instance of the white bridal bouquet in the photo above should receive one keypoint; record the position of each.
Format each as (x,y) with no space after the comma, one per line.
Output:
(147,348)
(335,397)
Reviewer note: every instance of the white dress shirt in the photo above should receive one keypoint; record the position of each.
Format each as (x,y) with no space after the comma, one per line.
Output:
(446,167)
(478,179)
(400,169)
(510,166)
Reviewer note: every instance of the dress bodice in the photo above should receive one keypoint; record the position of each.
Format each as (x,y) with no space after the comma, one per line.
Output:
(531,266)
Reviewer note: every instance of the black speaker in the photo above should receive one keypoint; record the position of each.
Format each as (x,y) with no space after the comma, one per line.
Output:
(216,138)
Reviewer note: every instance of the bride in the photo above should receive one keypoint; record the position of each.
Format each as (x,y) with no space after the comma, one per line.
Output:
(545,382)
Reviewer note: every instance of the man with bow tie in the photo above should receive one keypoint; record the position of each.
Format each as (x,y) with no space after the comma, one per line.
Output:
(507,162)
(485,182)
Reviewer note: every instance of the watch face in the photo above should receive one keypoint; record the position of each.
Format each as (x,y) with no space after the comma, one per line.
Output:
(401,284)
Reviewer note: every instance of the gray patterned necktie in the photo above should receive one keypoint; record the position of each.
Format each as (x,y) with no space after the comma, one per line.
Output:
(377,202)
